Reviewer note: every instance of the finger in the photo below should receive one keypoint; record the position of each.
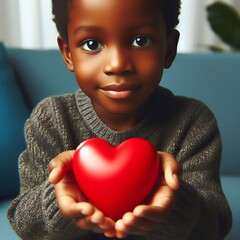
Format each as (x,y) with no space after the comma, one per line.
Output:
(171,178)
(97,217)
(109,228)
(128,225)
(153,214)
(110,233)
(85,223)
(98,223)
(171,169)
(104,223)
(64,158)
(121,229)
(59,166)
(108,224)
(72,209)
(137,223)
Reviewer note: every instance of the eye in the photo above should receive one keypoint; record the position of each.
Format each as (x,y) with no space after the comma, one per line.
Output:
(141,41)
(92,45)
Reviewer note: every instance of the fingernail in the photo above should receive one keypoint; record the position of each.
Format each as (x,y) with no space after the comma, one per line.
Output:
(175,176)
(95,220)
(109,235)
(86,211)
(50,177)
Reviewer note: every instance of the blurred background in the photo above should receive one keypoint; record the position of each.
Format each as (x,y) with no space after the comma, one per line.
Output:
(28,24)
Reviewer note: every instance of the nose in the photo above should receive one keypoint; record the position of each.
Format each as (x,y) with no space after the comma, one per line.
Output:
(118,62)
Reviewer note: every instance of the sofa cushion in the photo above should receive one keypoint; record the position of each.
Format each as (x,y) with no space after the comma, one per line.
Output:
(230,185)
(6,229)
(13,116)
(214,79)
(41,73)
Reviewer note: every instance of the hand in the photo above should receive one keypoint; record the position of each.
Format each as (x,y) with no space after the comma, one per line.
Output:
(144,218)
(71,201)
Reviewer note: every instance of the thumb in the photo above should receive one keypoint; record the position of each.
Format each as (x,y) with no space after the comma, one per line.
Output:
(170,169)
(59,166)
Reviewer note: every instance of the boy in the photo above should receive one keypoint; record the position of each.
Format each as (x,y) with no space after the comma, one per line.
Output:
(117,50)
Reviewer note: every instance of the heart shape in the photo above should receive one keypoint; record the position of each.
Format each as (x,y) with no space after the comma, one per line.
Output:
(116,179)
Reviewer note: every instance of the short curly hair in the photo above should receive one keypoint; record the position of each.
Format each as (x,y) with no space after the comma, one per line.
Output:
(60,9)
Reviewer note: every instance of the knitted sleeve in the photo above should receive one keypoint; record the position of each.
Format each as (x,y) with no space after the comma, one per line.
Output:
(34,213)
(201,210)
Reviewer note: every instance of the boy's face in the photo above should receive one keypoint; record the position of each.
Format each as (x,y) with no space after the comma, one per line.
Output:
(118,50)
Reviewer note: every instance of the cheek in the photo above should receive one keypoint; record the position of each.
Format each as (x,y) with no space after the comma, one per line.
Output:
(151,67)
(86,69)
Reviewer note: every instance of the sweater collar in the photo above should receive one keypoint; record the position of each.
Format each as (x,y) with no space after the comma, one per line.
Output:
(143,129)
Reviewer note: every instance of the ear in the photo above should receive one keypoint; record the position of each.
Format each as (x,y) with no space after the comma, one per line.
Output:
(64,48)
(172,42)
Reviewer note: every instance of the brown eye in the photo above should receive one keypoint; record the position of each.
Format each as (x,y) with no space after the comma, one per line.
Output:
(141,41)
(91,45)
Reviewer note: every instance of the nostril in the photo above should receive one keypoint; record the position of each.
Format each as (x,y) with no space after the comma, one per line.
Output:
(119,69)
(108,73)
(128,71)
(108,70)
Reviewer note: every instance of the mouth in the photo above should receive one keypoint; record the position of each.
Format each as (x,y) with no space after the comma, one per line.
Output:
(119,91)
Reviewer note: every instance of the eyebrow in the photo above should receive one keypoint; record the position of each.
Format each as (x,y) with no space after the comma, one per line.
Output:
(87,29)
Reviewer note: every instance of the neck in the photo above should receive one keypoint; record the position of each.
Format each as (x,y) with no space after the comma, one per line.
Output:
(122,122)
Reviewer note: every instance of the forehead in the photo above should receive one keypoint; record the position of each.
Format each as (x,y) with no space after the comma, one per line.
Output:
(118,12)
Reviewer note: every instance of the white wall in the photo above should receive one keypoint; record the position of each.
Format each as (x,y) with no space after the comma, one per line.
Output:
(28,24)
(196,34)
(194,28)
(9,28)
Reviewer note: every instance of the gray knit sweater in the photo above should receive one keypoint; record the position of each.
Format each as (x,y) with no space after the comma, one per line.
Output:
(178,125)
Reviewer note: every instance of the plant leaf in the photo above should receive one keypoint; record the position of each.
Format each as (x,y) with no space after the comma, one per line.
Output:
(225,22)
(216,48)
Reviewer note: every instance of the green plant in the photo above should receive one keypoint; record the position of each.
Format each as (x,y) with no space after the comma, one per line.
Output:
(224,20)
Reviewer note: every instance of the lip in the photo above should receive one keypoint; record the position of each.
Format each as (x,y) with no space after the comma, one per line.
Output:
(119,91)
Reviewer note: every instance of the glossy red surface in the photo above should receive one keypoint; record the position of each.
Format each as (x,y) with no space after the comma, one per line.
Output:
(116,179)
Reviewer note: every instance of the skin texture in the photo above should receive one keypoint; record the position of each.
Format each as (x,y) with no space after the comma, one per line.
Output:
(128,57)
(142,220)
(117,51)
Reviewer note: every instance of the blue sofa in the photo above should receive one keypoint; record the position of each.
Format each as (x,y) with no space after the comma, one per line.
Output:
(27,76)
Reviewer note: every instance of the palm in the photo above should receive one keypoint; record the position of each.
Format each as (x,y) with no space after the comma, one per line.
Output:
(68,190)
(162,196)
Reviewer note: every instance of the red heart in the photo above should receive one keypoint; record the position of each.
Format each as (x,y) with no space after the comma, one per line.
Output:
(116,179)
